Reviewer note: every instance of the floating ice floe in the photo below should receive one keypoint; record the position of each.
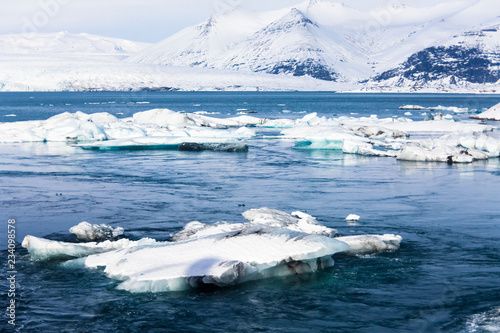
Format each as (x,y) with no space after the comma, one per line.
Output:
(272,243)
(491,114)
(95,232)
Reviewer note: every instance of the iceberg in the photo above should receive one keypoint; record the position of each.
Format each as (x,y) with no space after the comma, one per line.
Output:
(271,243)
(220,260)
(262,217)
(353,217)
(161,117)
(491,114)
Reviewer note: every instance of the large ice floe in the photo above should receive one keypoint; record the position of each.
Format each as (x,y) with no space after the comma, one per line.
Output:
(270,244)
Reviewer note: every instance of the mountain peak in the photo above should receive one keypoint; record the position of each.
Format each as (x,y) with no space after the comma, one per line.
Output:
(295,18)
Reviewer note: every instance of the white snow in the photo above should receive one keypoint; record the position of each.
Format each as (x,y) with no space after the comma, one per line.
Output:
(95,232)
(272,243)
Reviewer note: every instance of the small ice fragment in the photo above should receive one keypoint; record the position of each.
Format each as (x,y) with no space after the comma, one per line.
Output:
(353,217)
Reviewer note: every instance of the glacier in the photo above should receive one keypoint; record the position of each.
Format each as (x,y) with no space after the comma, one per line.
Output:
(271,243)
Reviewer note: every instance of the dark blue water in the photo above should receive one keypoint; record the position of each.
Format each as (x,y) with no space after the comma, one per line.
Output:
(447,270)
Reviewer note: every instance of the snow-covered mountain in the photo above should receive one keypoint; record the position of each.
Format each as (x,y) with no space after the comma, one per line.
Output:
(64,43)
(393,45)
(471,57)
(314,45)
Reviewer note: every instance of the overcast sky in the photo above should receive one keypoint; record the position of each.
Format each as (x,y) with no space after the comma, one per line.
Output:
(139,20)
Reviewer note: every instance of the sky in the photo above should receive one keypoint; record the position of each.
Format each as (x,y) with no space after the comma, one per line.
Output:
(137,20)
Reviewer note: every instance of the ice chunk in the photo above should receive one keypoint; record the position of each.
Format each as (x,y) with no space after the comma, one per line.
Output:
(492,114)
(353,217)
(453,109)
(419,153)
(95,232)
(220,260)
(370,244)
(161,117)
(297,221)
(250,121)
(44,249)
(412,107)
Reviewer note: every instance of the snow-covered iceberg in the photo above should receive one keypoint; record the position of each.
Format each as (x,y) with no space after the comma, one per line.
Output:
(221,260)
(271,243)
(491,114)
